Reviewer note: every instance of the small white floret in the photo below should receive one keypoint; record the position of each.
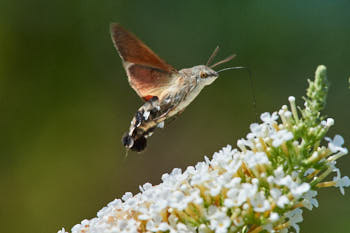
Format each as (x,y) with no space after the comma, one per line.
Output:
(336,143)
(330,122)
(281,137)
(282,201)
(274,217)
(126,196)
(341,183)
(260,203)
(269,118)
(62,231)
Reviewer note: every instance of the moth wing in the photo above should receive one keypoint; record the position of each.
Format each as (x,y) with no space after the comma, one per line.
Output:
(148,74)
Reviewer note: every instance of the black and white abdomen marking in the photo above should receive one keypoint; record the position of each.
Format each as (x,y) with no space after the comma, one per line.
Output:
(142,125)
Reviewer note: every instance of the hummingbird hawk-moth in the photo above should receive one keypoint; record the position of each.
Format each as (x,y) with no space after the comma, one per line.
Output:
(165,90)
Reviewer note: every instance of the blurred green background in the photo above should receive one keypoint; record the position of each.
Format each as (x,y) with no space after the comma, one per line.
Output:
(65,101)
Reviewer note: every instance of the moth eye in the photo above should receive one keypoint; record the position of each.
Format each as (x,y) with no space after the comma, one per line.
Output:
(203,75)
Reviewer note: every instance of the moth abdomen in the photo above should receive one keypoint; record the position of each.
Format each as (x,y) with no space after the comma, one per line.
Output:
(139,144)
(136,144)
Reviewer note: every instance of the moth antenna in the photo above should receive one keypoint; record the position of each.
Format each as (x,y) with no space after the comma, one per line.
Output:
(229,58)
(212,56)
(251,85)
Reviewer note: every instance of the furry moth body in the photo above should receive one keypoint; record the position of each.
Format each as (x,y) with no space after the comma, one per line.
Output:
(165,90)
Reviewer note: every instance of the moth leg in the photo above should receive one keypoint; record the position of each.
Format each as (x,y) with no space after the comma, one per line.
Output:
(172,119)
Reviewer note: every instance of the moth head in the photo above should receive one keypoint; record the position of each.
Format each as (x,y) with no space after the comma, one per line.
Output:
(205,74)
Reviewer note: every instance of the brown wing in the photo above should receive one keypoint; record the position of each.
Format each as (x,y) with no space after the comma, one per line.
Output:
(148,74)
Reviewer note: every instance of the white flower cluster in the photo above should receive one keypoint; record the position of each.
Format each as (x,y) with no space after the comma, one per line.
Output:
(263,186)
(222,194)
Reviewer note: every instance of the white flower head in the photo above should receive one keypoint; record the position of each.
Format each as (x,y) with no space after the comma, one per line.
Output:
(260,187)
